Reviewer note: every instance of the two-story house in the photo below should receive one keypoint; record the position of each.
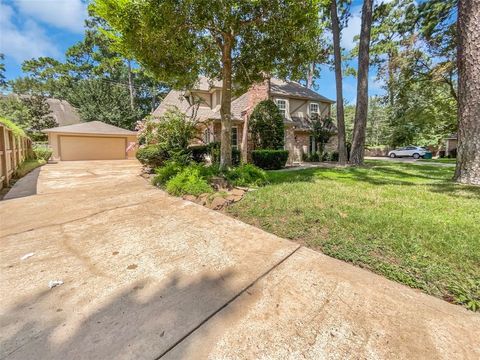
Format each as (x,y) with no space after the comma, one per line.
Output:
(296,102)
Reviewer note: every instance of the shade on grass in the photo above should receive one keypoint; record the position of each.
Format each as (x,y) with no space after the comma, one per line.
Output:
(407,222)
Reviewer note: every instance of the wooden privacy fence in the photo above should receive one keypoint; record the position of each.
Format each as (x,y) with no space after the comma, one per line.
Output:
(13,151)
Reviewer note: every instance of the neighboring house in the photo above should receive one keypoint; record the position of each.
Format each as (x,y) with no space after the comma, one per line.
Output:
(451,144)
(63,113)
(294,101)
(61,110)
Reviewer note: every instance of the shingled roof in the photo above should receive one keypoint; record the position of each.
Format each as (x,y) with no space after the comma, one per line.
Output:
(63,112)
(178,98)
(91,127)
(294,89)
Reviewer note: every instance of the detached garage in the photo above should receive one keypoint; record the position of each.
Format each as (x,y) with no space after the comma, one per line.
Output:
(92,140)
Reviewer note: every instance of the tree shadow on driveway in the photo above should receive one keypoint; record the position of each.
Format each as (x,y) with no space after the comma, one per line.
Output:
(144,320)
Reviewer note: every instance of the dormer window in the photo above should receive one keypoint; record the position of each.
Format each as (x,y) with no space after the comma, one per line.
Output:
(314,109)
(282,106)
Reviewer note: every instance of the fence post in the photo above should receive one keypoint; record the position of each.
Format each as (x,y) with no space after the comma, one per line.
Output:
(3,158)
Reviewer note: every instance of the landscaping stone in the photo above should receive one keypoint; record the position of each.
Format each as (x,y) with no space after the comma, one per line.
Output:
(191,198)
(203,199)
(237,192)
(219,183)
(218,203)
(234,198)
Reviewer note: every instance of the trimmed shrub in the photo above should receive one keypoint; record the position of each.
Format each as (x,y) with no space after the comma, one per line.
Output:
(199,152)
(166,172)
(270,159)
(334,156)
(188,181)
(315,157)
(246,175)
(152,155)
(42,153)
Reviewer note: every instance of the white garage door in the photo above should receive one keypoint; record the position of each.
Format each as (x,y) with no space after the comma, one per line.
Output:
(92,148)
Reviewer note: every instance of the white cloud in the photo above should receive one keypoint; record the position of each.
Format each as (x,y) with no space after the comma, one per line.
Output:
(25,40)
(352,29)
(63,14)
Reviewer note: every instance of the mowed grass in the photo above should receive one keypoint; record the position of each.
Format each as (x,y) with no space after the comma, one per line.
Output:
(408,222)
(440,160)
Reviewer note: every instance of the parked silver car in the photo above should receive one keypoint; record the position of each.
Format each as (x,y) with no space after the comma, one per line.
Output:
(408,151)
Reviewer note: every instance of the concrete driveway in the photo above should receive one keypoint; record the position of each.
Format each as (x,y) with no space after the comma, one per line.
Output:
(149,276)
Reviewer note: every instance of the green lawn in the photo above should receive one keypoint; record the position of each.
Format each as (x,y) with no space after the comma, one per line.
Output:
(407,222)
(440,160)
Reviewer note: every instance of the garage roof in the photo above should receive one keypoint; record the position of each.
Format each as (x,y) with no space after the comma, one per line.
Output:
(91,127)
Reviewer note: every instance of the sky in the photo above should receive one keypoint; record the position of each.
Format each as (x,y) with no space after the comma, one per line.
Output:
(34,28)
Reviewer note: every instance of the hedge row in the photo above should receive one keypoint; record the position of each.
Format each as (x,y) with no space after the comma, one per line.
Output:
(270,159)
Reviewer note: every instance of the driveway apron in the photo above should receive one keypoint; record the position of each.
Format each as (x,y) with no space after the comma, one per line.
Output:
(145,275)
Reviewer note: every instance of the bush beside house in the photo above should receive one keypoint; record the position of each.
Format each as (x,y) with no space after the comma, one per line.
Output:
(181,169)
(270,159)
(268,135)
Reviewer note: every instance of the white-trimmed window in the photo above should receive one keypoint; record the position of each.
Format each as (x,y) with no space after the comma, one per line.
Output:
(234,137)
(206,136)
(282,105)
(314,109)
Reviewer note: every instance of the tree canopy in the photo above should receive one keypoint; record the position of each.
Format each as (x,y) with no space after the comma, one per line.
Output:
(236,41)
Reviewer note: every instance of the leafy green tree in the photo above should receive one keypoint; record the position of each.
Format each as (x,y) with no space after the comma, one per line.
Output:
(377,122)
(235,41)
(92,58)
(267,126)
(98,99)
(31,113)
(322,130)
(12,108)
(40,115)
(44,76)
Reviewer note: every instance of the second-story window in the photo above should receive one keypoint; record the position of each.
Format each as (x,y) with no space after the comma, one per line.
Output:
(314,109)
(282,106)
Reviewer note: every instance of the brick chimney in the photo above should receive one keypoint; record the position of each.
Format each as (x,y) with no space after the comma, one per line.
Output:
(257,92)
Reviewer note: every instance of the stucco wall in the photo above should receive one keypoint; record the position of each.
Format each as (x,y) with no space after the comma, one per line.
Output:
(300,108)
(204,98)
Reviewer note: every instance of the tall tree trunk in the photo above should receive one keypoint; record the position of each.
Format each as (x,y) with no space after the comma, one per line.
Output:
(468,58)
(226,105)
(342,149)
(311,73)
(130,85)
(361,109)
(390,83)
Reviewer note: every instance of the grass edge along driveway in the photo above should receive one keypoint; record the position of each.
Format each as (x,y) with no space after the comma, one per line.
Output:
(407,222)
